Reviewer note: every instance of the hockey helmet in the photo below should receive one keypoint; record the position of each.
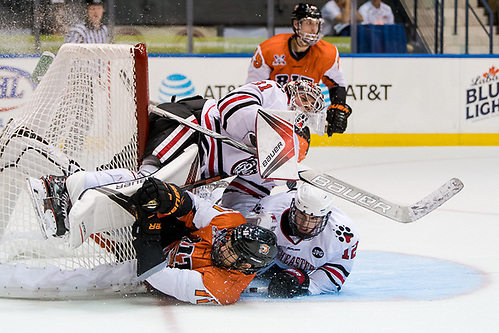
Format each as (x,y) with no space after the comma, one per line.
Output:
(306,99)
(248,248)
(310,210)
(304,11)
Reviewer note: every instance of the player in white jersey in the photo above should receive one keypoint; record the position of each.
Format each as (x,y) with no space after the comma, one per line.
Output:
(316,241)
(233,116)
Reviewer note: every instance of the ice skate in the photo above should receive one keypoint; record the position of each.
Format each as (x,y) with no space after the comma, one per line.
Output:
(51,202)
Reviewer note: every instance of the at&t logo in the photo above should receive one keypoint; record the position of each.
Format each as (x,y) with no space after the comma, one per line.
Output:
(175,85)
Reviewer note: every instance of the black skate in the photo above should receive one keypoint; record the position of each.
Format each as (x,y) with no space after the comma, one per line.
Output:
(52,204)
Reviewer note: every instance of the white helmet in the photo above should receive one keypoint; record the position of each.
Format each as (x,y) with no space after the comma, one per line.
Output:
(310,210)
(307,100)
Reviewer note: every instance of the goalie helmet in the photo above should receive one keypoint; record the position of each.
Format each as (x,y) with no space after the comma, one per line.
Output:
(309,212)
(306,99)
(248,248)
(301,12)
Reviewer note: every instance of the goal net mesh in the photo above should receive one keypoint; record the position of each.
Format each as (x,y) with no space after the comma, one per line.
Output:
(83,115)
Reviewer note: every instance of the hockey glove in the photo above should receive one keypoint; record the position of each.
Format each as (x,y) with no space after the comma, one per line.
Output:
(289,283)
(337,115)
(147,227)
(157,197)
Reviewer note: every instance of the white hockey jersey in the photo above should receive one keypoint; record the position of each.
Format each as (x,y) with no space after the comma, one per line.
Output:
(235,116)
(328,258)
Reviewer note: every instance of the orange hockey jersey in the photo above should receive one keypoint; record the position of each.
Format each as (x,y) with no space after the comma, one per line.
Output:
(190,274)
(273,60)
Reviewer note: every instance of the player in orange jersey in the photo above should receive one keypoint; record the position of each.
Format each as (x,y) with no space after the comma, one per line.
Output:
(193,250)
(303,55)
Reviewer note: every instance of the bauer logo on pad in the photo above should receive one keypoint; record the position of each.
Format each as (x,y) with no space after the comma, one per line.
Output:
(276,146)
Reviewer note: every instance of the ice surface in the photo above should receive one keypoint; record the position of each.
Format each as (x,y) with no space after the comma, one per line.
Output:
(438,274)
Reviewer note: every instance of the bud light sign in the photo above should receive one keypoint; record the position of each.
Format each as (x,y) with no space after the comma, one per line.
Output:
(482,98)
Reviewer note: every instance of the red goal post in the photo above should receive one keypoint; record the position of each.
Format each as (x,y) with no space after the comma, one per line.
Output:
(90,112)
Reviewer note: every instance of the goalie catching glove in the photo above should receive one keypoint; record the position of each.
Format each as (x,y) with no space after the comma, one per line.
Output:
(337,115)
(157,197)
(289,283)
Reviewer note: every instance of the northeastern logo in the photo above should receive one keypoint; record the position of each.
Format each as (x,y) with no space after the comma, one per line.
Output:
(15,88)
(245,167)
(482,98)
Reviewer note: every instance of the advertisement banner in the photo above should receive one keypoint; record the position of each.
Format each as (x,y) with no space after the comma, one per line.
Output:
(390,96)
(16,86)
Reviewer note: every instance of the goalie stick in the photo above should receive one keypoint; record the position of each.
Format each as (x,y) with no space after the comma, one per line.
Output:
(374,203)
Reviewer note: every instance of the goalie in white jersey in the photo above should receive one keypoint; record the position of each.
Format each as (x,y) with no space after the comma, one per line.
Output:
(316,241)
(233,116)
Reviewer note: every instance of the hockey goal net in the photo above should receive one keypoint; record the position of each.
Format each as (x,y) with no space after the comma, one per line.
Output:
(88,112)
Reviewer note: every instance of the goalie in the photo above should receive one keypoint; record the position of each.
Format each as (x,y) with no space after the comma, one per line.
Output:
(169,142)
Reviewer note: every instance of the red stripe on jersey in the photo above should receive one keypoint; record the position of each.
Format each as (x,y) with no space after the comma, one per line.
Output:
(245,189)
(174,141)
(211,153)
(232,100)
(336,273)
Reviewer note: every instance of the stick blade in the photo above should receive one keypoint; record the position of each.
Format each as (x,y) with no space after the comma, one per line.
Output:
(436,199)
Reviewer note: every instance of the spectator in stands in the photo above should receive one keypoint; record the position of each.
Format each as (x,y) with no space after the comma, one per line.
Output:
(54,17)
(336,14)
(376,12)
(93,31)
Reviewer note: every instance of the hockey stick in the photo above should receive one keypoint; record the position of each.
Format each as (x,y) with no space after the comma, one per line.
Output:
(42,66)
(399,213)
(196,127)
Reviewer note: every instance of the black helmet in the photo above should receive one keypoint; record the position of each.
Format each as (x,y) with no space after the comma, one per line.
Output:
(303,11)
(249,244)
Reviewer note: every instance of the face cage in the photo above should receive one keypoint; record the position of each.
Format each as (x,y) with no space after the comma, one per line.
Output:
(308,38)
(220,257)
(294,225)
(313,115)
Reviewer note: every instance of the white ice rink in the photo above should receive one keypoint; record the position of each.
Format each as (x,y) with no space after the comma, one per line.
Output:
(438,274)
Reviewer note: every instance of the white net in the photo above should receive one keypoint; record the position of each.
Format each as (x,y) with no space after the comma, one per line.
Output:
(82,115)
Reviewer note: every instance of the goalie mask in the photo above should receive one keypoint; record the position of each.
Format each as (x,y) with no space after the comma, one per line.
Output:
(309,211)
(248,248)
(305,12)
(307,100)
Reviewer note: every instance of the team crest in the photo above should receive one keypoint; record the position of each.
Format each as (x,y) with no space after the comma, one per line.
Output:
(264,249)
(245,167)
(279,60)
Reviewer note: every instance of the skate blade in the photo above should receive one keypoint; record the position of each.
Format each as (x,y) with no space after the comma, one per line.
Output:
(38,192)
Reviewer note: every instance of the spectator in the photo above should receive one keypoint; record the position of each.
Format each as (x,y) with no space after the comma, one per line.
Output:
(336,15)
(54,17)
(376,12)
(93,31)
